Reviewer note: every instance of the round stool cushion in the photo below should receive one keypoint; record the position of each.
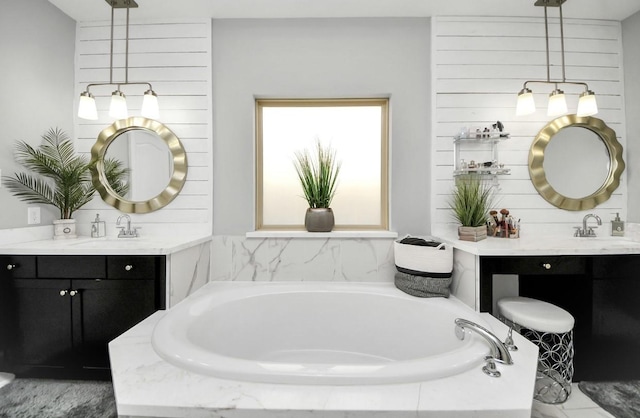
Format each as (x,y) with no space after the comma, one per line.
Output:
(536,314)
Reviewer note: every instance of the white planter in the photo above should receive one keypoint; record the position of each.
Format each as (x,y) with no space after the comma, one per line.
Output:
(64,229)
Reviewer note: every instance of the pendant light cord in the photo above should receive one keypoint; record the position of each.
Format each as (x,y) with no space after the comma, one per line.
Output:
(564,77)
(111,48)
(126,55)
(546,37)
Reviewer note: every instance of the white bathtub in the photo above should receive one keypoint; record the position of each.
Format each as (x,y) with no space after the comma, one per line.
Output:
(318,333)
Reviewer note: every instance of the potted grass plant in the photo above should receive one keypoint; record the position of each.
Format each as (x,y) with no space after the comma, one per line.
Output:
(318,173)
(471,201)
(59,177)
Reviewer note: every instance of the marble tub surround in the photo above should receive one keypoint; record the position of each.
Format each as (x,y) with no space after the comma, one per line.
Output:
(238,258)
(147,386)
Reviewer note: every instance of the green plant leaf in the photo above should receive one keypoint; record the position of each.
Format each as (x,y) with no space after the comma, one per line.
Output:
(318,174)
(59,177)
(471,201)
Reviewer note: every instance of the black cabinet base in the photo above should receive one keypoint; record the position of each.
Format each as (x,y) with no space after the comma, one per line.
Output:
(64,373)
(600,291)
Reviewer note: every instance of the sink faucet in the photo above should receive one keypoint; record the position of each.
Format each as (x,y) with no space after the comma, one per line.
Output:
(584,231)
(126,233)
(499,351)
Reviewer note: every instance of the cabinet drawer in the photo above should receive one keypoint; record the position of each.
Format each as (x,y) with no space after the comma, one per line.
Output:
(612,267)
(71,267)
(131,267)
(541,265)
(17,266)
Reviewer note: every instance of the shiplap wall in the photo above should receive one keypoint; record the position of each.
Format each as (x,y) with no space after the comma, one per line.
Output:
(480,64)
(175,57)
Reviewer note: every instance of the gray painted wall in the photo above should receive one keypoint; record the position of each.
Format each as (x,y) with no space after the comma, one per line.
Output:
(630,36)
(321,58)
(36,61)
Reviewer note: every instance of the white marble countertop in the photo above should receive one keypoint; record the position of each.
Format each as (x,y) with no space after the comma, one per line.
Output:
(543,244)
(147,386)
(147,245)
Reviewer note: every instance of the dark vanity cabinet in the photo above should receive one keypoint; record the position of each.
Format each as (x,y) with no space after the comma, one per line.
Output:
(602,292)
(60,312)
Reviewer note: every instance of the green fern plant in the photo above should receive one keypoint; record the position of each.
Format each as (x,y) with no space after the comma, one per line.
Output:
(318,175)
(471,201)
(59,177)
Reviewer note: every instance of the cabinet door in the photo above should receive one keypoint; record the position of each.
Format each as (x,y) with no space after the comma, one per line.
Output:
(11,267)
(104,309)
(39,323)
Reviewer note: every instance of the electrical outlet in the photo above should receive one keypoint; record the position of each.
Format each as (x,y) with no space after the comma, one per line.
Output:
(33,215)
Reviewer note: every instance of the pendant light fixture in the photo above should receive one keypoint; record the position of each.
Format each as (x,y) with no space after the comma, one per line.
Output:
(557,105)
(118,108)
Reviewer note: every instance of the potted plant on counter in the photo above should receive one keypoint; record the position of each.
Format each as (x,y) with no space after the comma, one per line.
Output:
(59,177)
(471,202)
(318,174)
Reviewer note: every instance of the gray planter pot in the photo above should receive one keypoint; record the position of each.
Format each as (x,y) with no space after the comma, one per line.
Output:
(319,220)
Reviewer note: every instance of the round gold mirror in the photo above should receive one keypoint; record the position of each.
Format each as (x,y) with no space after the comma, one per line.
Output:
(575,162)
(155,160)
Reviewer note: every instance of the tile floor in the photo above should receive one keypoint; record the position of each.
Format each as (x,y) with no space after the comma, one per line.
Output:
(578,406)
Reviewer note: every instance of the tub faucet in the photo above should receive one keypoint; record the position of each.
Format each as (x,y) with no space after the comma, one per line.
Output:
(584,231)
(126,233)
(499,352)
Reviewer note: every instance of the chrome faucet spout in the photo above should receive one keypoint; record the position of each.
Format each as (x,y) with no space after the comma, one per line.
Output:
(587,231)
(128,218)
(590,215)
(499,351)
(128,233)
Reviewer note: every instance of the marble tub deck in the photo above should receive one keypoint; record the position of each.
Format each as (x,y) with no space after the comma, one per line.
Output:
(147,386)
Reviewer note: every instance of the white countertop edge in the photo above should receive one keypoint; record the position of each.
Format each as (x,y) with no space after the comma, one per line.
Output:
(148,245)
(543,244)
(332,234)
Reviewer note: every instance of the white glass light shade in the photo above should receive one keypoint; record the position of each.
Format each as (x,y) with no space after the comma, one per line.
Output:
(526,104)
(118,107)
(557,103)
(87,106)
(150,107)
(587,105)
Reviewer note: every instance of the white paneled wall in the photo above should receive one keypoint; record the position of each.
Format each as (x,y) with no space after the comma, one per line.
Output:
(175,57)
(480,64)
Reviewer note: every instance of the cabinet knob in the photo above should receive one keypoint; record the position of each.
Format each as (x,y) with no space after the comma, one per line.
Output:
(63,292)
(11,266)
(547,266)
(128,267)
(73,292)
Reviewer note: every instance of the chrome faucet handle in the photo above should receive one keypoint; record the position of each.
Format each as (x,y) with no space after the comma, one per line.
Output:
(490,368)
(578,232)
(508,342)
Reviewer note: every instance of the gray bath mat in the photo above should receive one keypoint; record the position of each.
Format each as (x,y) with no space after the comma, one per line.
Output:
(38,398)
(620,399)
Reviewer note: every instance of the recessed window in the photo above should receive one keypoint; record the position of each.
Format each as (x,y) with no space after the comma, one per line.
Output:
(356,129)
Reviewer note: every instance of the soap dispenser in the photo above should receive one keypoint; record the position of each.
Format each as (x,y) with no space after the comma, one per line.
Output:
(98,228)
(617,226)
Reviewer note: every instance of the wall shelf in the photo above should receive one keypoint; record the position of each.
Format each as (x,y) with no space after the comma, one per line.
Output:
(481,152)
